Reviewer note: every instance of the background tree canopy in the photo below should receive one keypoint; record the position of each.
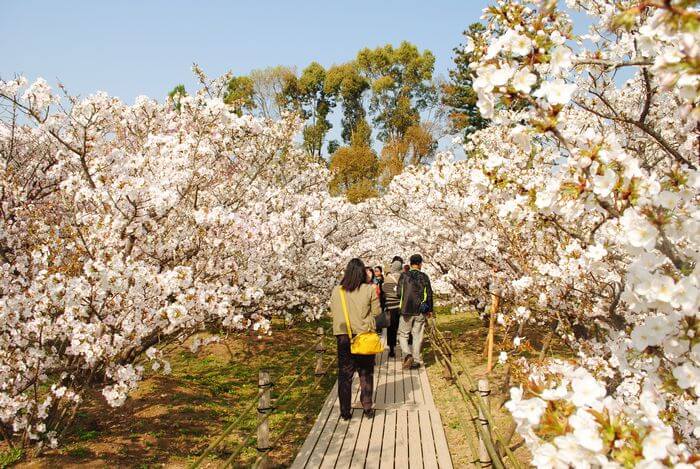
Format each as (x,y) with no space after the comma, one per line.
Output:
(390,105)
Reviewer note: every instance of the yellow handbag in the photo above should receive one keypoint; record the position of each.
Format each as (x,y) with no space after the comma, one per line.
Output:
(366,343)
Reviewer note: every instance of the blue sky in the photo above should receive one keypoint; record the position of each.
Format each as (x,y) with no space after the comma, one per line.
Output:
(129,48)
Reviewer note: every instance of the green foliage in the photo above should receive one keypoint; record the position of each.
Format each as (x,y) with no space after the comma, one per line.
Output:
(239,94)
(332,146)
(355,168)
(395,81)
(176,93)
(307,95)
(361,134)
(79,452)
(10,457)
(415,147)
(87,435)
(345,82)
(401,83)
(458,94)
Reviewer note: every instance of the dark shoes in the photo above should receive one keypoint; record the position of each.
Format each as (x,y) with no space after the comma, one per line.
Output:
(345,417)
(392,354)
(415,365)
(407,362)
(369,413)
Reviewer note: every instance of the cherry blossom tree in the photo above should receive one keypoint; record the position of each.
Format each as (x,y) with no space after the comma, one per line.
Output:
(580,203)
(128,227)
(125,228)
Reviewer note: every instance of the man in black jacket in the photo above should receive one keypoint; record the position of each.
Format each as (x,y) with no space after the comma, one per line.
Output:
(416,306)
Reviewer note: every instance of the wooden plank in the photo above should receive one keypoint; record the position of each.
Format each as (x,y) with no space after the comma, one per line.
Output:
(426,439)
(388,440)
(367,452)
(326,437)
(348,447)
(350,436)
(401,445)
(406,431)
(379,381)
(376,440)
(407,386)
(390,382)
(356,403)
(415,452)
(444,459)
(417,391)
(425,386)
(400,388)
(443,451)
(314,436)
(337,438)
(359,455)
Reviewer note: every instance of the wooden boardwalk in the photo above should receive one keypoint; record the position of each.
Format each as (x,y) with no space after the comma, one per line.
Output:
(406,431)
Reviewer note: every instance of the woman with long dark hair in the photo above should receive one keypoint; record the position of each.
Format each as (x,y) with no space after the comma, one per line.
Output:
(362,305)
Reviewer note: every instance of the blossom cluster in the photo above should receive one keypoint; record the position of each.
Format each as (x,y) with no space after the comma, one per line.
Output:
(580,206)
(126,227)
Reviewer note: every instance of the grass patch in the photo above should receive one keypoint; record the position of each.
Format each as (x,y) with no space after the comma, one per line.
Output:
(10,457)
(170,419)
(468,339)
(79,452)
(88,435)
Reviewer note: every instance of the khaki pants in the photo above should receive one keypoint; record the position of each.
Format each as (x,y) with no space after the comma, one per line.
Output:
(414,325)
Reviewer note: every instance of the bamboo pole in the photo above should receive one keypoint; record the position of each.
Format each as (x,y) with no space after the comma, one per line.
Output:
(320,349)
(484,458)
(477,401)
(490,337)
(264,408)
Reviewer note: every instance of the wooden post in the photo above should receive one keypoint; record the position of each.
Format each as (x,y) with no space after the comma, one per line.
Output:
(447,372)
(490,337)
(484,458)
(264,408)
(320,349)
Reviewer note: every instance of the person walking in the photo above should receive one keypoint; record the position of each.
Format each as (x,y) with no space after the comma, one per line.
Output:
(379,274)
(362,304)
(416,297)
(390,288)
(382,320)
(372,279)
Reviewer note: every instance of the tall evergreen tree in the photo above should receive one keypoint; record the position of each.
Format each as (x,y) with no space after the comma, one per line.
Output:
(345,82)
(458,94)
(307,95)
(401,84)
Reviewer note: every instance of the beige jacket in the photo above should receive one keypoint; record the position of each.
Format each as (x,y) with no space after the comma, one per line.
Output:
(363,306)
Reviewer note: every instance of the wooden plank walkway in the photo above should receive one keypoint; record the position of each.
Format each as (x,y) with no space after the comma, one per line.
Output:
(406,431)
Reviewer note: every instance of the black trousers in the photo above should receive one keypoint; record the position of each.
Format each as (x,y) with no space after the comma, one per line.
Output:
(347,365)
(391,331)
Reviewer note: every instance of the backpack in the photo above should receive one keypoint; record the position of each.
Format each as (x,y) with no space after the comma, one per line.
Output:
(414,294)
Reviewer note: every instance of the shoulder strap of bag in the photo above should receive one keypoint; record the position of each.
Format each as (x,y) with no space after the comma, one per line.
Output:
(345,311)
